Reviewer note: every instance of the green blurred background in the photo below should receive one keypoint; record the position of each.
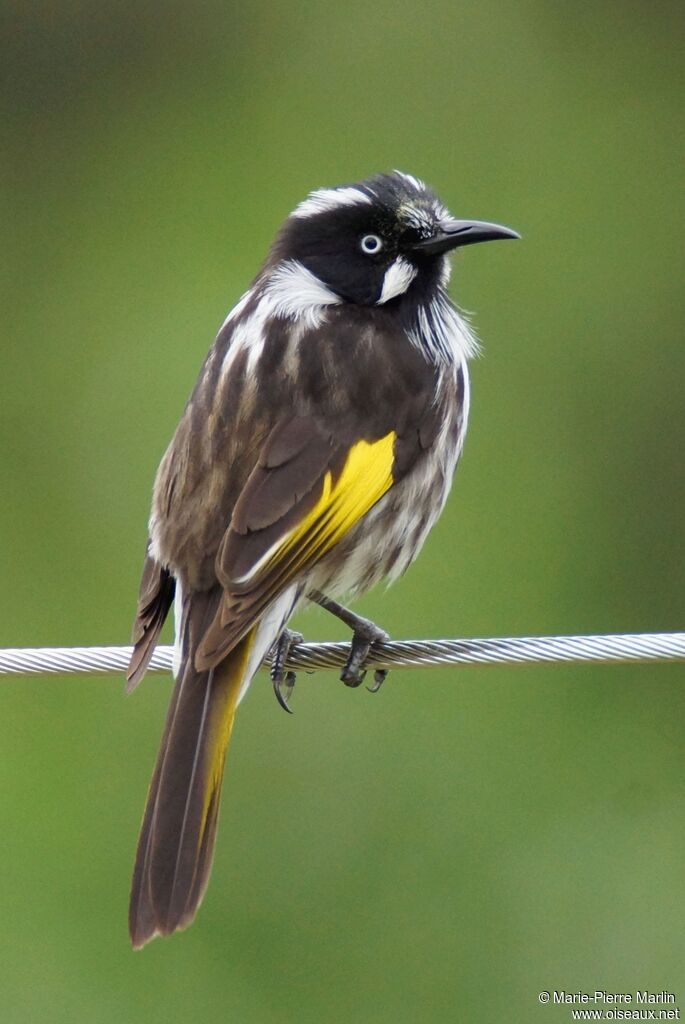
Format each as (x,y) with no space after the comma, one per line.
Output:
(447,849)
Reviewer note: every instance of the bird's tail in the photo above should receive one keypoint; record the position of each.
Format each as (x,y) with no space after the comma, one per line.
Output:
(176,844)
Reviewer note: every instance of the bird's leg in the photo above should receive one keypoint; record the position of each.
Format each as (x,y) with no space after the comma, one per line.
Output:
(283,682)
(364,634)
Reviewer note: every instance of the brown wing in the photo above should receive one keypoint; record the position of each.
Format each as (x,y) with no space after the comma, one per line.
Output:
(306,491)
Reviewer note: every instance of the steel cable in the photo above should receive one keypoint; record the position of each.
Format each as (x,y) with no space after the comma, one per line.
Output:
(608,648)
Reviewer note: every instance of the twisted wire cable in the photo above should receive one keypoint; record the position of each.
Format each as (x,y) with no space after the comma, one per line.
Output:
(608,648)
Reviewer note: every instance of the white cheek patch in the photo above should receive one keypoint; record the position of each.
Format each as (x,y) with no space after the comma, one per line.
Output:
(293,292)
(398,277)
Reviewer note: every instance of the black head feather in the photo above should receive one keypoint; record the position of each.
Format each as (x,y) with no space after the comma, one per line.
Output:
(327,234)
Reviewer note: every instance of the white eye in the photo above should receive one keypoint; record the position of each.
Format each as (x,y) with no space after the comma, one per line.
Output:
(371,244)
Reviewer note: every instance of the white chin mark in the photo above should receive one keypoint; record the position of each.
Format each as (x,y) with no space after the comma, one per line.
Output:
(398,277)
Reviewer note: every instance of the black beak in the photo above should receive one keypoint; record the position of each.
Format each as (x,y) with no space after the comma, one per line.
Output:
(450,234)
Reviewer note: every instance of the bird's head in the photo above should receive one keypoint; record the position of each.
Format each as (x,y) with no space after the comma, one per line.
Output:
(372,242)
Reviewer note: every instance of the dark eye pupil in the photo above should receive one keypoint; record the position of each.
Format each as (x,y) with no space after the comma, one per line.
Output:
(371,243)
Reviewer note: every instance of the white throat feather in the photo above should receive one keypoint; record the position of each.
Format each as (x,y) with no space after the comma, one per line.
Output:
(442,332)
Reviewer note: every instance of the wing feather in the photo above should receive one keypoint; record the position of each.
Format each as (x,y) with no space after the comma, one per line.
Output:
(306,492)
(155,598)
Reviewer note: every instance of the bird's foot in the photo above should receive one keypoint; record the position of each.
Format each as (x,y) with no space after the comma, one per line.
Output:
(283,682)
(366,633)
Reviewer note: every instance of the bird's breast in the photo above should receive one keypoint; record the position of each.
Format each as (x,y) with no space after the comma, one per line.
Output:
(384,544)
(358,372)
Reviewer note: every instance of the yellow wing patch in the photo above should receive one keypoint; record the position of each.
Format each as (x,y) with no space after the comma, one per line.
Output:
(365,477)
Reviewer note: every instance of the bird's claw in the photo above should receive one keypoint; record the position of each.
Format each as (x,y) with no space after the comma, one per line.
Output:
(284,682)
(283,688)
(379,677)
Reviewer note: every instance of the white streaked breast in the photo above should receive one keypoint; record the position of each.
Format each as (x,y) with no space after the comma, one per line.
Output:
(442,333)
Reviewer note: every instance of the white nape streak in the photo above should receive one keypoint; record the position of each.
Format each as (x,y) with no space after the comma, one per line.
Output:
(247,336)
(329,199)
(290,292)
(415,182)
(237,309)
(294,293)
(442,333)
(397,279)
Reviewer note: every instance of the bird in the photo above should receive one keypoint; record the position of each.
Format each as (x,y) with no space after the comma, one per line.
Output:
(314,455)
